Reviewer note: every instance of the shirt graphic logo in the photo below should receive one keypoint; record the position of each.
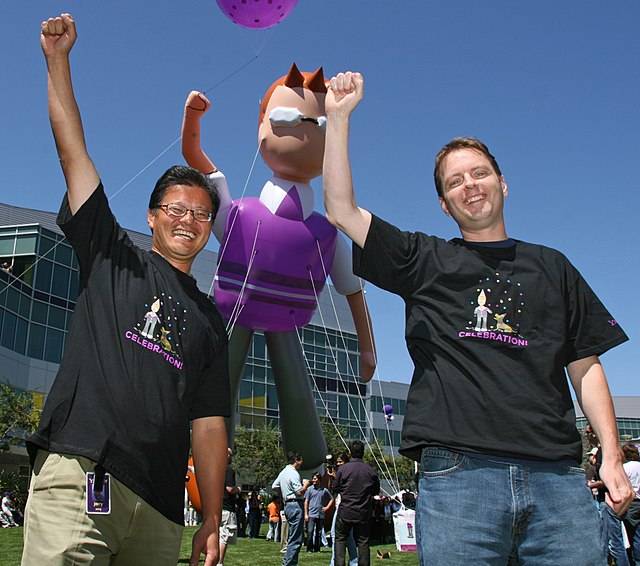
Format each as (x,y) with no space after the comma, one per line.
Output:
(151,319)
(481,312)
(504,300)
(161,333)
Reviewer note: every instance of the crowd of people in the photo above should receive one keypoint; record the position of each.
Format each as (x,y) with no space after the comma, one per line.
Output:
(306,503)
(341,508)
(621,535)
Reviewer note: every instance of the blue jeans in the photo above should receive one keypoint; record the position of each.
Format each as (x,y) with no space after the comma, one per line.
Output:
(613,529)
(274,531)
(473,511)
(632,524)
(294,513)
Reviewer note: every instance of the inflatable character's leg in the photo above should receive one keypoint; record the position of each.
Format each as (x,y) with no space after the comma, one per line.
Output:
(299,421)
(239,343)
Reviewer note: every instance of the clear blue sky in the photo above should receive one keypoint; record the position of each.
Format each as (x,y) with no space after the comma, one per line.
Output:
(550,86)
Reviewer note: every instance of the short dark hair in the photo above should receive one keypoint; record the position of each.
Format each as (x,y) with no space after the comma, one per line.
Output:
(357,449)
(344,457)
(461,143)
(186,176)
(293,457)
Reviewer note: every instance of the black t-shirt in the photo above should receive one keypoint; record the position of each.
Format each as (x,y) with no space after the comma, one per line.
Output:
(490,331)
(229,499)
(146,354)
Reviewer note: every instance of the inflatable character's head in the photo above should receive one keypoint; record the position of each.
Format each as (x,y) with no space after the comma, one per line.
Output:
(291,125)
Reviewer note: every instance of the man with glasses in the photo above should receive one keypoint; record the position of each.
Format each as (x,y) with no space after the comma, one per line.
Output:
(146,356)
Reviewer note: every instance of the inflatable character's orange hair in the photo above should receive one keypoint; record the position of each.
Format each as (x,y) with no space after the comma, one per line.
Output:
(315,82)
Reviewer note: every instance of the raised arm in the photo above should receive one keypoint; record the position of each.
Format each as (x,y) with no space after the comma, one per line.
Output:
(592,391)
(305,485)
(343,96)
(57,36)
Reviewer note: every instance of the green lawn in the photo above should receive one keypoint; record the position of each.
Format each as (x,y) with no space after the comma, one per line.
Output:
(254,552)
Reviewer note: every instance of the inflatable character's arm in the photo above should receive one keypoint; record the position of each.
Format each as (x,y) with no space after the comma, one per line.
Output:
(209,443)
(348,284)
(57,36)
(195,107)
(364,330)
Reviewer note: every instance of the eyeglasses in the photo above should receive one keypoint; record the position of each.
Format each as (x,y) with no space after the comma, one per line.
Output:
(281,116)
(178,210)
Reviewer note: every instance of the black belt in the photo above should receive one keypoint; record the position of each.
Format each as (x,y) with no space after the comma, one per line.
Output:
(292,500)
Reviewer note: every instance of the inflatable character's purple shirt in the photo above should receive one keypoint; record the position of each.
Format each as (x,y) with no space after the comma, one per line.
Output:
(272,265)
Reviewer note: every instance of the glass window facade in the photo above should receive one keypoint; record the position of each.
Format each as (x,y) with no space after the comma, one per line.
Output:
(38,295)
(333,363)
(399,405)
(383,437)
(627,427)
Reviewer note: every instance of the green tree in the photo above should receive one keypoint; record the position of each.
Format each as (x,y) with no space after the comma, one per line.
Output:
(18,419)
(258,454)
(335,436)
(397,469)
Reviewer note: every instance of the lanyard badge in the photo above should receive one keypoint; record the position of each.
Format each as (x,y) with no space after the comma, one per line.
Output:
(98,493)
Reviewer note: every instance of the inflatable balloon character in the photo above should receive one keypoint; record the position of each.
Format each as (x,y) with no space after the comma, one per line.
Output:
(388,413)
(276,250)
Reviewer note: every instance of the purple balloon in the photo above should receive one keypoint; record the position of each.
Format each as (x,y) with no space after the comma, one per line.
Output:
(256,14)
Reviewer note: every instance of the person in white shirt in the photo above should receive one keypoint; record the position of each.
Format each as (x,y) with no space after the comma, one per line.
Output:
(7,509)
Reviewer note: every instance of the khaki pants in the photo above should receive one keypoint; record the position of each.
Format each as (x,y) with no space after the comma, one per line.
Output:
(58,530)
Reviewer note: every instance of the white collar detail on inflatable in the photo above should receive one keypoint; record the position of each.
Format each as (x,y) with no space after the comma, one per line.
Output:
(276,189)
